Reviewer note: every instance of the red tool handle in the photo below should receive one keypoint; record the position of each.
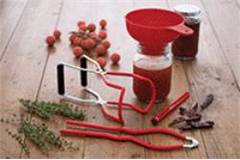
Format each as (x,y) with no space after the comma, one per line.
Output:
(161,115)
(137,108)
(120,102)
(182,29)
(123,137)
(120,138)
(126,130)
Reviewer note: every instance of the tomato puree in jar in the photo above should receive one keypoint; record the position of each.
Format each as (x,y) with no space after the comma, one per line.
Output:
(161,79)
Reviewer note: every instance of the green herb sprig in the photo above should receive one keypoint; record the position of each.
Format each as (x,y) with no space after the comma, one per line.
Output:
(47,109)
(40,135)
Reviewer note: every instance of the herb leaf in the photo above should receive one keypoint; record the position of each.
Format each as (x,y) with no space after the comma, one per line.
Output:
(47,109)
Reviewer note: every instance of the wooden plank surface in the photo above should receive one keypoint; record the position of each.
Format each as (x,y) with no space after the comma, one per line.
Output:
(213,75)
(10,14)
(213,71)
(100,148)
(22,66)
(44,87)
(226,33)
(179,86)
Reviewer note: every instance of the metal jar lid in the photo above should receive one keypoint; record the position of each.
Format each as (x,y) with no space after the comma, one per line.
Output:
(187,10)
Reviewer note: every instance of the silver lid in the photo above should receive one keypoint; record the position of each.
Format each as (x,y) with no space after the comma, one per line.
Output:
(187,10)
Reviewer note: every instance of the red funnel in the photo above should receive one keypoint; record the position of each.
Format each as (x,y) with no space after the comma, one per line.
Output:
(154,28)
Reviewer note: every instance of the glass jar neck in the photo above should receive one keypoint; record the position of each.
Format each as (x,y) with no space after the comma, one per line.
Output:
(152,51)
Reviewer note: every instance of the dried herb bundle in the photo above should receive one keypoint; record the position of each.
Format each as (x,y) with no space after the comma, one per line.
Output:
(191,118)
(47,109)
(40,135)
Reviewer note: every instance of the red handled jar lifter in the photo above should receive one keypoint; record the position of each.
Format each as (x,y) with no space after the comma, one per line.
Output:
(102,133)
(130,138)
(98,99)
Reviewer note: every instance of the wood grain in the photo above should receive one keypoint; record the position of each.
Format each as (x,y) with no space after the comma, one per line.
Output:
(63,53)
(22,66)
(213,75)
(100,148)
(28,70)
(179,86)
(226,33)
(10,15)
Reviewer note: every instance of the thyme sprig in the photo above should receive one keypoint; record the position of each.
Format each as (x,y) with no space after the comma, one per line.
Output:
(40,135)
(47,109)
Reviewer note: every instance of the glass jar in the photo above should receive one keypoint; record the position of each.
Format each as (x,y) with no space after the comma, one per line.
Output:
(158,68)
(186,48)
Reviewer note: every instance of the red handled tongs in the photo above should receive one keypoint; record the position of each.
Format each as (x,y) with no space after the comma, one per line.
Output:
(97,98)
(193,142)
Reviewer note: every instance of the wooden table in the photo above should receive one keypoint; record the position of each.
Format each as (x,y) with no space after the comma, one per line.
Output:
(27,70)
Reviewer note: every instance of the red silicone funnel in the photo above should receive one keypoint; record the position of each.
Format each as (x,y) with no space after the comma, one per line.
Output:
(154,28)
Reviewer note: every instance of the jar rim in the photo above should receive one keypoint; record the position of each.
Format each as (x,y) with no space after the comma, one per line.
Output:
(187,10)
(163,51)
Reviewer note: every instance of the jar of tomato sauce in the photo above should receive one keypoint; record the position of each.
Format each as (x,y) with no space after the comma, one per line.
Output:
(157,67)
(186,48)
